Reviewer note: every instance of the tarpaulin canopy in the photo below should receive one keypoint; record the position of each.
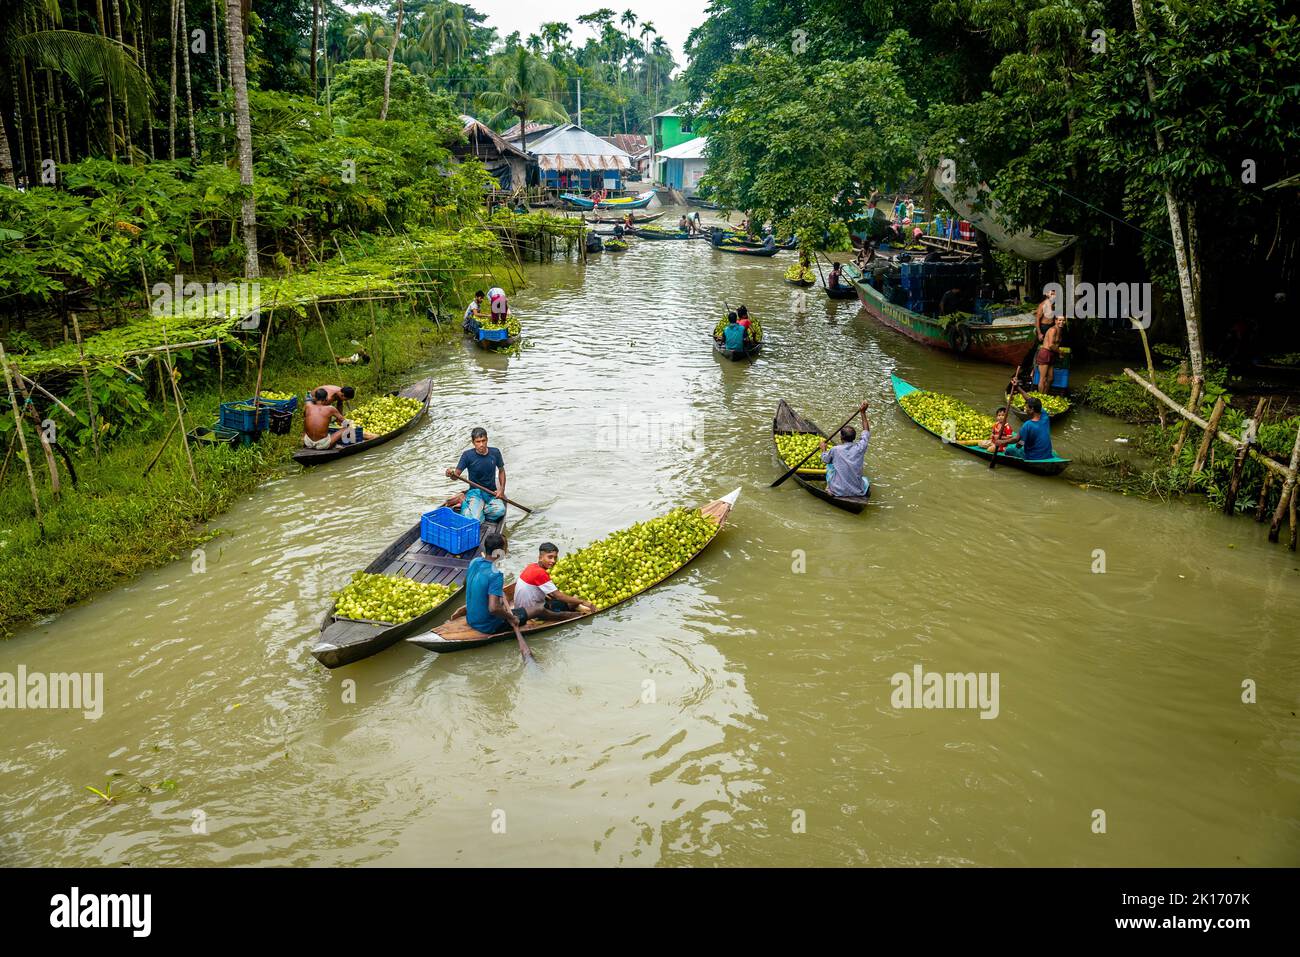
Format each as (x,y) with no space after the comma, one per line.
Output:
(1036,245)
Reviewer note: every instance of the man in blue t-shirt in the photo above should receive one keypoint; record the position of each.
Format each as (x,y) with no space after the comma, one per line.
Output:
(486,468)
(486,609)
(733,333)
(1035,434)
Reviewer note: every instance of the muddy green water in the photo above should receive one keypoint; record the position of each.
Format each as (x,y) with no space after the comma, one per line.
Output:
(738,715)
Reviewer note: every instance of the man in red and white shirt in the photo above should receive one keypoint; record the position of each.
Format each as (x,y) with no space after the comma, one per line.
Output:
(537,595)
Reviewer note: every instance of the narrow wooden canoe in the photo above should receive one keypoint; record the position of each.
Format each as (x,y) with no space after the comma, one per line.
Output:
(1003,340)
(637,218)
(789,422)
(750,350)
(701,203)
(748,250)
(842,292)
(419,390)
(660,234)
(345,640)
(1010,456)
(640,201)
(456,634)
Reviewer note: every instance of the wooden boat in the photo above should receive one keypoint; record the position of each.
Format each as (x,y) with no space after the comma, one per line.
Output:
(456,634)
(615,246)
(799,277)
(747,250)
(345,640)
(701,203)
(658,234)
(1009,456)
(637,218)
(789,422)
(419,390)
(1003,340)
(844,291)
(640,201)
(750,350)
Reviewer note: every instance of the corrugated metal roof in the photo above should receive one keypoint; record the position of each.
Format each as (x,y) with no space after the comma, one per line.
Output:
(691,149)
(570,147)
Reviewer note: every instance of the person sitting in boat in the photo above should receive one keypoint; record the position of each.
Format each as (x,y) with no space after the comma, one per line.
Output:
(844,477)
(743,320)
(833,280)
(1035,435)
(769,241)
(487,468)
(733,335)
(1000,433)
(684,225)
(472,313)
(486,609)
(628,221)
(619,231)
(318,415)
(537,595)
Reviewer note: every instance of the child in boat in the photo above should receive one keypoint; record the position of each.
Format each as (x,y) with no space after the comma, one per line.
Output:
(1000,433)
(537,595)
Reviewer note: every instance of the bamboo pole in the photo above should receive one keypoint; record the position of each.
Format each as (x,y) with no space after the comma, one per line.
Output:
(1262,505)
(180,413)
(85,380)
(22,440)
(4,470)
(153,461)
(1295,494)
(37,426)
(1223,437)
(261,362)
(1288,487)
(1207,439)
(1192,402)
(1252,432)
(1146,347)
(328,344)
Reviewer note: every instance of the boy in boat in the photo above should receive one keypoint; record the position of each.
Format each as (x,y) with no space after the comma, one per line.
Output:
(334,395)
(684,225)
(317,416)
(1048,352)
(486,468)
(733,336)
(1035,434)
(486,609)
(537,595)
(833,280)
(743,320)
(1000,434)
(472,313)
(844,478)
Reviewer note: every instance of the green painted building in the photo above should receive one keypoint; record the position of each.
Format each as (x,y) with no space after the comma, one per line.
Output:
(668,130)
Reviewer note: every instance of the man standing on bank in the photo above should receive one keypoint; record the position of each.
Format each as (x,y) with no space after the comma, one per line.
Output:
(485,467)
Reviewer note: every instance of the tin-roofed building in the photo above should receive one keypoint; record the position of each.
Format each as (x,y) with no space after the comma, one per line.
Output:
(568,157)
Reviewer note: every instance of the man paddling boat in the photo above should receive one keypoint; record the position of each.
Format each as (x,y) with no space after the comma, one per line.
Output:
(1035,435)
(486,609)
(487,468)
(843,462)
(733,336)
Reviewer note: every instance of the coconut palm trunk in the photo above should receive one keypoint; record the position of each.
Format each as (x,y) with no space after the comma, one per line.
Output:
(216,61)
(243,134)
(392,50)
(171,97)
(6,158)
(315,42)
(108,89)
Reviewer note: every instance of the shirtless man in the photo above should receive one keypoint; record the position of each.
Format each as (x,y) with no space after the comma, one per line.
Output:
(1048,352)
(317,416)
(1045,314)
(335,395)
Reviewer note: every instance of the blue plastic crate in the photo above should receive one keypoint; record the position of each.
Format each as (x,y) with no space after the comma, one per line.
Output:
(494,335)
(244,419)
(448,529)
(281,405)
(1060,378)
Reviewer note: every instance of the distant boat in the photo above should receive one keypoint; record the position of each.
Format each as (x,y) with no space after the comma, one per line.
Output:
(701,203)
(624,202)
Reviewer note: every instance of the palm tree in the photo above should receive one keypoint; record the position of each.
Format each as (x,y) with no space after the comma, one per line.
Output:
(368,36)
(243,134)
(315,42)
(392,51)
(189,95)
(555,33)
(443,32)
(525,84)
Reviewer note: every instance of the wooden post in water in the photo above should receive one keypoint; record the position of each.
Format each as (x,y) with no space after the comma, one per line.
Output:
(1208,438)
(1288,487)
(85,380)
(1262,505)
(1243,453)
(1193,402)
(1146,347)
(22,441)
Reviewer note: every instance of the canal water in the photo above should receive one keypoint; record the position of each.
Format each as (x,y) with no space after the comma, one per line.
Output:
(741,714)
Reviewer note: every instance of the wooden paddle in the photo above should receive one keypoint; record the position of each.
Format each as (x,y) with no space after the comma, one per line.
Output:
(857,411)
(525,508)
